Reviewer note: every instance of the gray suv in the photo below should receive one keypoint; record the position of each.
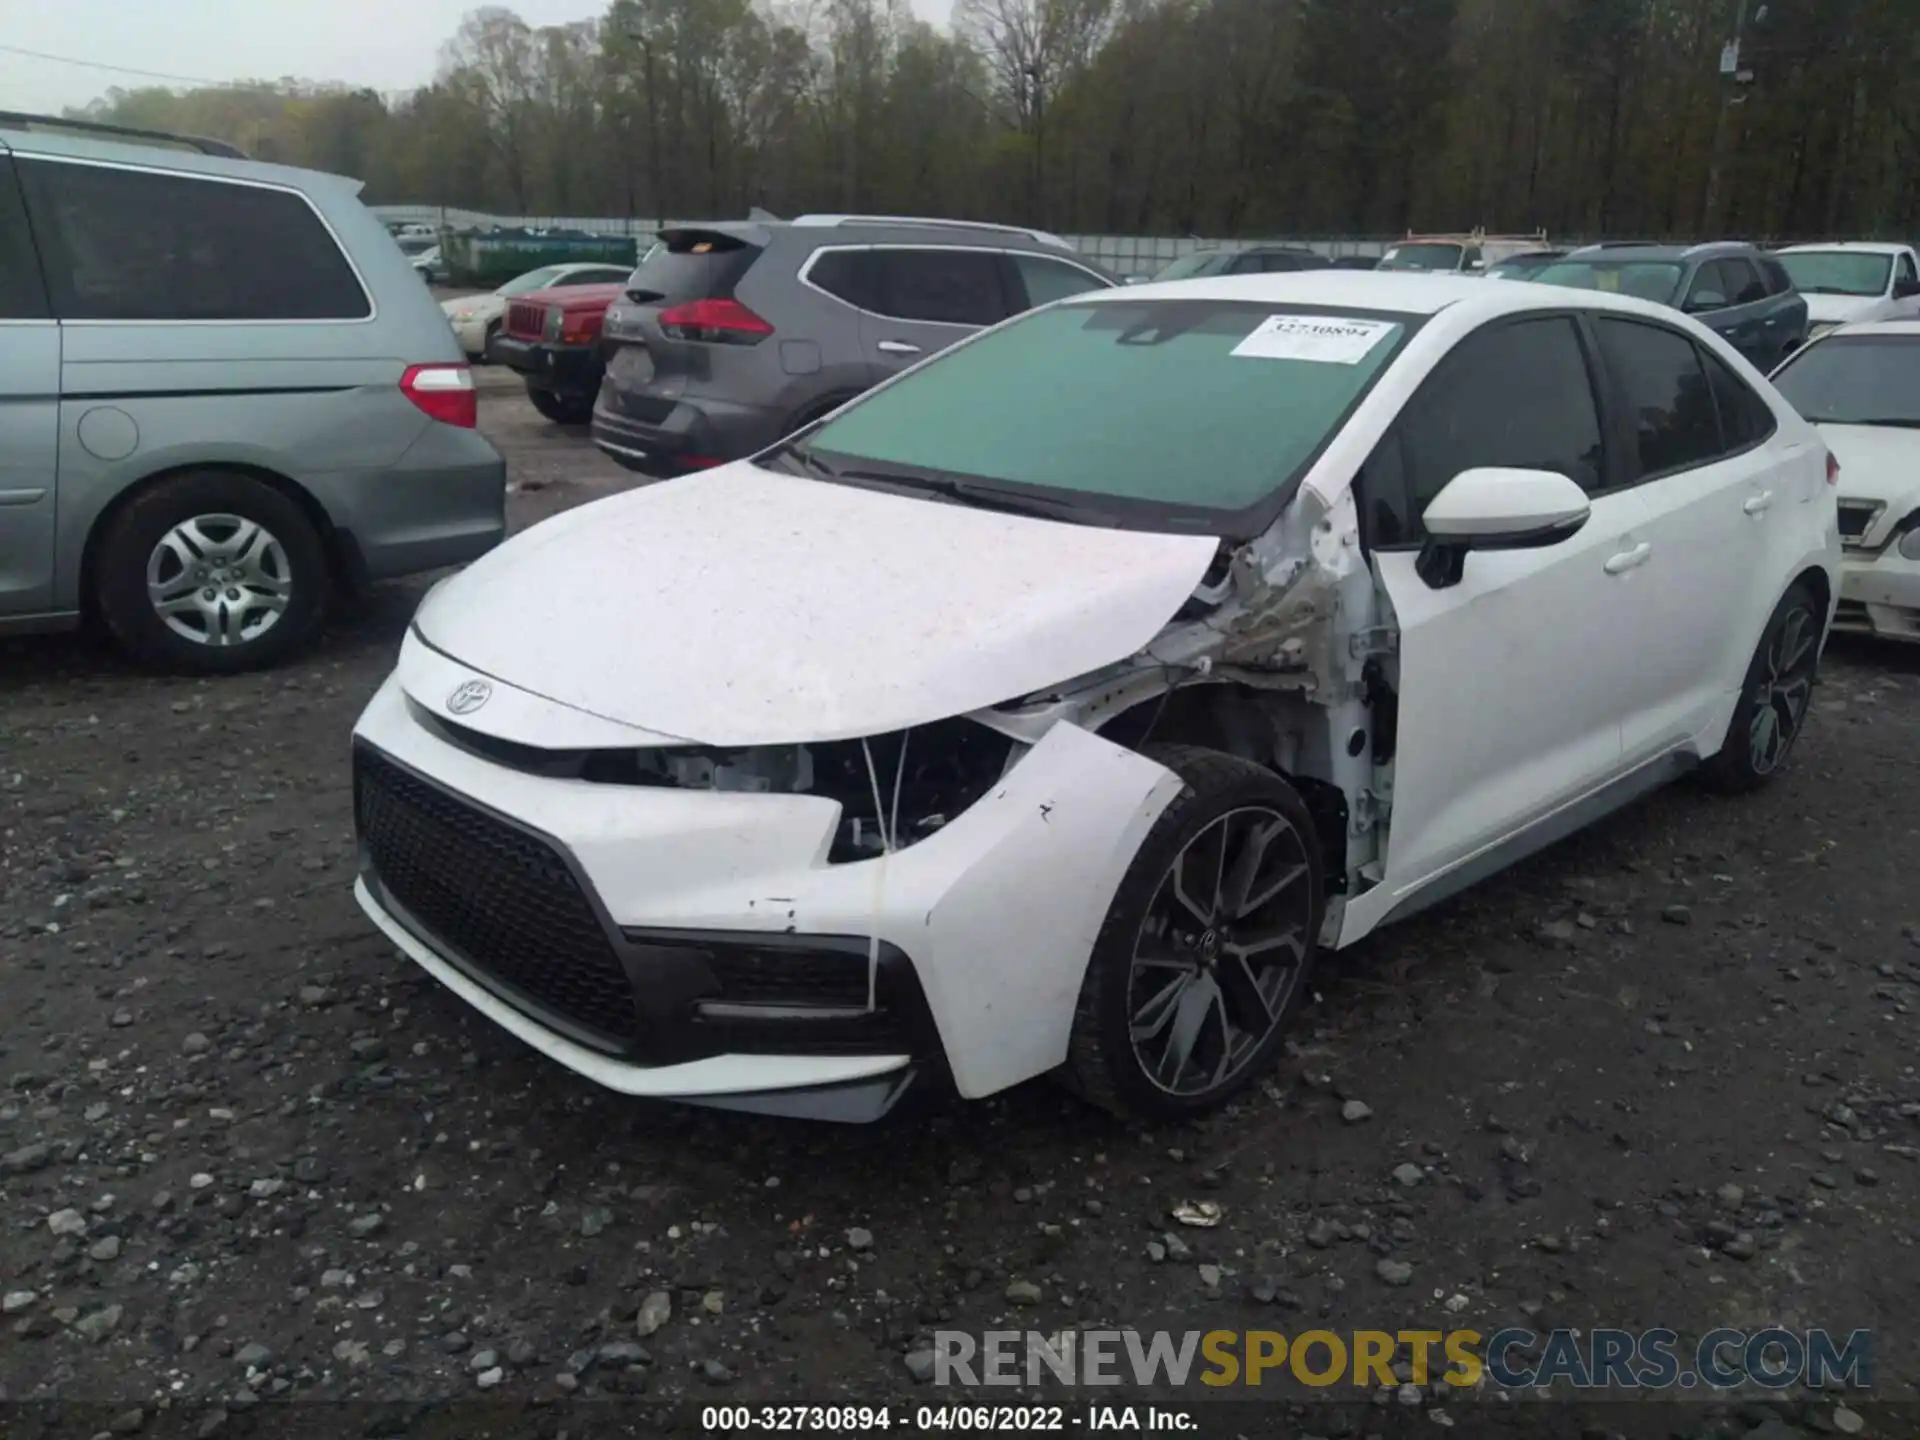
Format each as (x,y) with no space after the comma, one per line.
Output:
(224,396)
(732,336)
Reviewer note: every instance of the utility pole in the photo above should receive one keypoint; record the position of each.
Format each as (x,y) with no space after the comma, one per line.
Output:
(1732,78)
(1037,79)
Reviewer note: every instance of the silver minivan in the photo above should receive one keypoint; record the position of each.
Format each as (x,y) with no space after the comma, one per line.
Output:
(225,397)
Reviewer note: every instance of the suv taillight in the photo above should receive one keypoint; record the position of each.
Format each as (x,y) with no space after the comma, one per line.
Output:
(443,391)
(715,322)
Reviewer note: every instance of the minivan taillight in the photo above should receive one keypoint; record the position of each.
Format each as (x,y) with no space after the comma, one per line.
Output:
(715,322)
(443,391)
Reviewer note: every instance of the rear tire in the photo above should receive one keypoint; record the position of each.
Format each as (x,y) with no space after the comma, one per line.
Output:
(211,573)
(1195,976)
(1774,696)
(561,409)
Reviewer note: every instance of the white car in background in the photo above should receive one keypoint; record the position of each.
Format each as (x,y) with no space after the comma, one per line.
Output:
(1050,706)
(1852,281)
(476,318)
(1861,387)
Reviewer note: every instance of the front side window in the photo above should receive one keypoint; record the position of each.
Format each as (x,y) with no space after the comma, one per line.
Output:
(1655,280)
(1856,380)
(1049,280)
(1838,272)
(1516,395)
(1201,409)
(946,287)
(1904,273)
(147,245)
(1665,389)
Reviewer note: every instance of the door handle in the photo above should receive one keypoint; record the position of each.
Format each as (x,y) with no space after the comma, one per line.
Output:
(1759,504)
(897,347)
(1629,559)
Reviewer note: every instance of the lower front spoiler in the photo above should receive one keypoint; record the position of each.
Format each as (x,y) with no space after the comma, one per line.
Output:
(850,1088)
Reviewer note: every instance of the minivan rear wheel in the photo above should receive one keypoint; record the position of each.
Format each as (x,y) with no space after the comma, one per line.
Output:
(211,573)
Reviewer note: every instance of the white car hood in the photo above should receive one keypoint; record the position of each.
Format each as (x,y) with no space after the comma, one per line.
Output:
(1840,309)
(480,307)
(1877,462)
(742,607)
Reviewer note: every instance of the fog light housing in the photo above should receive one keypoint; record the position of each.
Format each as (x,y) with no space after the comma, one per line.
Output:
(1909,546)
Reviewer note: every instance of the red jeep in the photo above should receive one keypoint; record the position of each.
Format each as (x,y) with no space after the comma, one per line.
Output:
(552,337)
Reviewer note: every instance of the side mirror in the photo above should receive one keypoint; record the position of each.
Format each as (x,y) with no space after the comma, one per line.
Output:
(1497,509)
(1905,288)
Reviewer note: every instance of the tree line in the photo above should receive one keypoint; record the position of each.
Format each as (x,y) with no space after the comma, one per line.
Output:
(1205,117)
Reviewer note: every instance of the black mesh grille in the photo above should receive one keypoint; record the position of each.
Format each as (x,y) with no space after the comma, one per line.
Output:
(796,977)
(1857,517)
(496,898)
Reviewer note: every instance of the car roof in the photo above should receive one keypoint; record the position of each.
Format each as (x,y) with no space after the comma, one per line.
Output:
(1388,291)
(1861,247)
(66,145)
(1908,328)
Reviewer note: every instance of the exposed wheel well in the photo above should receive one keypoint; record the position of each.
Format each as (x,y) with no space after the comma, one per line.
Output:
(807,414)
(1816,579)
(339,549)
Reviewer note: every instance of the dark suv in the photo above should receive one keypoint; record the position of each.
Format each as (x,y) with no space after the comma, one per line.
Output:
(1742,294)
(731,336)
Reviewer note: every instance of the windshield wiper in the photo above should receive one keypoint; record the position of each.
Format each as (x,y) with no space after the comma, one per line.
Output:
(806,459)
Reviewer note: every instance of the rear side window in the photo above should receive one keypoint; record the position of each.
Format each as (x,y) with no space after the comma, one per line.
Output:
(146,245)
(1778,281)
(1745,419)
(1515,395)
(1667,397)
(1748,287)
(21,294)
(691,265)
(945,287)
(1049,280)
(849,275)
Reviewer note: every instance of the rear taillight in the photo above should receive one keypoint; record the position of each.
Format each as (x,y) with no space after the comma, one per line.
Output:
(1833,469)
(443,391)
(715,322)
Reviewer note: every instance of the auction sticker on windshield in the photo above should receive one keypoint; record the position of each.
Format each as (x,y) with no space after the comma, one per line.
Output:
(1325,339)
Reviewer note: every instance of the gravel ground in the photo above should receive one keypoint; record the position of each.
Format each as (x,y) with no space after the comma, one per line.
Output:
(1662,1075)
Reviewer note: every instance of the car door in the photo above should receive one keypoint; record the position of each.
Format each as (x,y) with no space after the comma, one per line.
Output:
(1904,301)
(1715,491)
(1712,299)
(928,297)
(1511,683)
(29,414)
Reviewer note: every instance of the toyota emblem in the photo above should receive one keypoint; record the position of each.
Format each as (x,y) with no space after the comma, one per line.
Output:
(471,695)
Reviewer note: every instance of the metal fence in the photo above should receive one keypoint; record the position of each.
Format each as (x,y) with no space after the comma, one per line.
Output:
(1122,254)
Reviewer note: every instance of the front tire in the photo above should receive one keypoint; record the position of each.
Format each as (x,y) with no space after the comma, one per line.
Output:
(1774,697)
(211,573)
(561,409)
(1206,951)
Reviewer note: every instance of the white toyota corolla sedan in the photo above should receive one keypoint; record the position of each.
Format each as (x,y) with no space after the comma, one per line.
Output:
(1051,706)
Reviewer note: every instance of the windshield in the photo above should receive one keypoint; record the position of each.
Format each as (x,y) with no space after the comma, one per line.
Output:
(1856,380)
(1200,262)
(532,280)
(412,245)
(1654,280)
(1198,406)
(1429,256)
(1838,272)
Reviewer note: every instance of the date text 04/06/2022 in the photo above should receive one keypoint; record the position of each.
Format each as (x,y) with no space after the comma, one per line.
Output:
(974,1419)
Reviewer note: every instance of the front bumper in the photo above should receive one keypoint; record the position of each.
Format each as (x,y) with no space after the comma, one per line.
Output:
(643,897)
(472,335)
(563,369)
(1880,596)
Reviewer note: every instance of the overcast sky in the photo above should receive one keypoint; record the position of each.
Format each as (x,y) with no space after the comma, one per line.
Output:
(388,44)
